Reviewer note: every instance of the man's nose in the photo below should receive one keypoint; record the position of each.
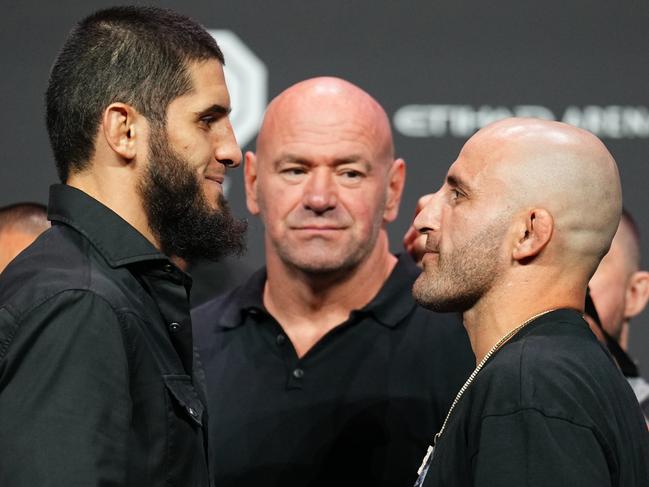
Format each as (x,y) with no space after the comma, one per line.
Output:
(228,151)
(320,192)
(428,219)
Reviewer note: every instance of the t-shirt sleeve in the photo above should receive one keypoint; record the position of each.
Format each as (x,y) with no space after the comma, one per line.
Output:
(530,449)
(64,401)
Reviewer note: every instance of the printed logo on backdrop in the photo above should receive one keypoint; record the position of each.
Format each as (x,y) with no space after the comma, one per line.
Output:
(608,121)
(247,79)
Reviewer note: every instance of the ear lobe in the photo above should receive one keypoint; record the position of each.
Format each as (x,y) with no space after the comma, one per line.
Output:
(534,235)
(396,181)
(637,294)
(118,128)
(250,181)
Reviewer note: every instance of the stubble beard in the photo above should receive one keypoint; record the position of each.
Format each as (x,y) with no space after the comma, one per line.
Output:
(458,280)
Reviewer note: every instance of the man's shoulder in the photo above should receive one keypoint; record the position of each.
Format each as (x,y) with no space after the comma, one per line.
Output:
(551,352)
(225,310)
(211,311)
(558,369)
(60,260)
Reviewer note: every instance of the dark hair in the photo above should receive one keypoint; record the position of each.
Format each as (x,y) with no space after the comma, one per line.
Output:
(135,55)
(28,217)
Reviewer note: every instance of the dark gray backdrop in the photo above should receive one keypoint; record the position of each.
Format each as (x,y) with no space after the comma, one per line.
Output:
(453,65)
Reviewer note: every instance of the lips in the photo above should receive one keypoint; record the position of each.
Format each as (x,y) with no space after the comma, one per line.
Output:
(317,225)
(318,228)
(429,257)
(216,178)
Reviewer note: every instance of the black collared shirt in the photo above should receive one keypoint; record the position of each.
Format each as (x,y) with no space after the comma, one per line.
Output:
(97,380)
(358,409)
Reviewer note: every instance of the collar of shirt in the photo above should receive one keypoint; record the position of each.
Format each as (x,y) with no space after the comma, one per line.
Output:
(115,239)
(121,245)
(392,303)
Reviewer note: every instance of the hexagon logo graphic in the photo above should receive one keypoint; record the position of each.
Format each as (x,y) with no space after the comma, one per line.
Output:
(247,79)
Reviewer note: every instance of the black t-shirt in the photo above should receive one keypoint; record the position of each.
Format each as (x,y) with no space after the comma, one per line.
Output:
(358,409)
(548,409)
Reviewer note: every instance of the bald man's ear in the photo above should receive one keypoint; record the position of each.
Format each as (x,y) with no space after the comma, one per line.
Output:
(637,294)
(121,125)
(533,235)
(250,179)
(396,181)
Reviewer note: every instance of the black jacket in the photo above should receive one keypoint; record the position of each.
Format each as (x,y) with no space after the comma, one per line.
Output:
(97,380)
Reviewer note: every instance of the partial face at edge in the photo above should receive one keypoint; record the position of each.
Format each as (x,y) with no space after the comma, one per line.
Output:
(608,286)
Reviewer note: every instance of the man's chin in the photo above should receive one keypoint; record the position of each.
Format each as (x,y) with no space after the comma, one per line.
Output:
(212,201)
(319,263)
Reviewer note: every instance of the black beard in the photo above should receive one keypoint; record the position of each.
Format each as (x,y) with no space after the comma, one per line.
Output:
(179,216)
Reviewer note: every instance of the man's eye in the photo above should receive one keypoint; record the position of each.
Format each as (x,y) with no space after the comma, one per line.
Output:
(455,194)
(350,174)
(207,120)
(293,171)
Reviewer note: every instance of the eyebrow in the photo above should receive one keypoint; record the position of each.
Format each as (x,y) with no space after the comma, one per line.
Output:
(215,109)
(456,182)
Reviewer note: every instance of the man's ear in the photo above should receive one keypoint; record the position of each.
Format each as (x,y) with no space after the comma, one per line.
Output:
(121,124)
(637,294)
(533,235)
(396,181)
(250,180)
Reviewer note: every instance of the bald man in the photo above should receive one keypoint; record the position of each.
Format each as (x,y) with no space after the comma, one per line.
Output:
(513,238)
(20,224)
(321,370)
(620,291)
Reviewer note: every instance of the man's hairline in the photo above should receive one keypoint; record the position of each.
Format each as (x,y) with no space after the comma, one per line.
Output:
(151,121)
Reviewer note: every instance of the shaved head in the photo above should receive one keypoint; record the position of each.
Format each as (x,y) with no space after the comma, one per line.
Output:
(563,169)
(543,200)
(324,179)
(335,101)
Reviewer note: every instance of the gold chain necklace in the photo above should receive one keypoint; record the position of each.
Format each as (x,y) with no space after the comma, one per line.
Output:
(468,382)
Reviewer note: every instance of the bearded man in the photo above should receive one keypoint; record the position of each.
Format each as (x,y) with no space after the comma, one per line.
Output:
(513,238)
(98,383)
